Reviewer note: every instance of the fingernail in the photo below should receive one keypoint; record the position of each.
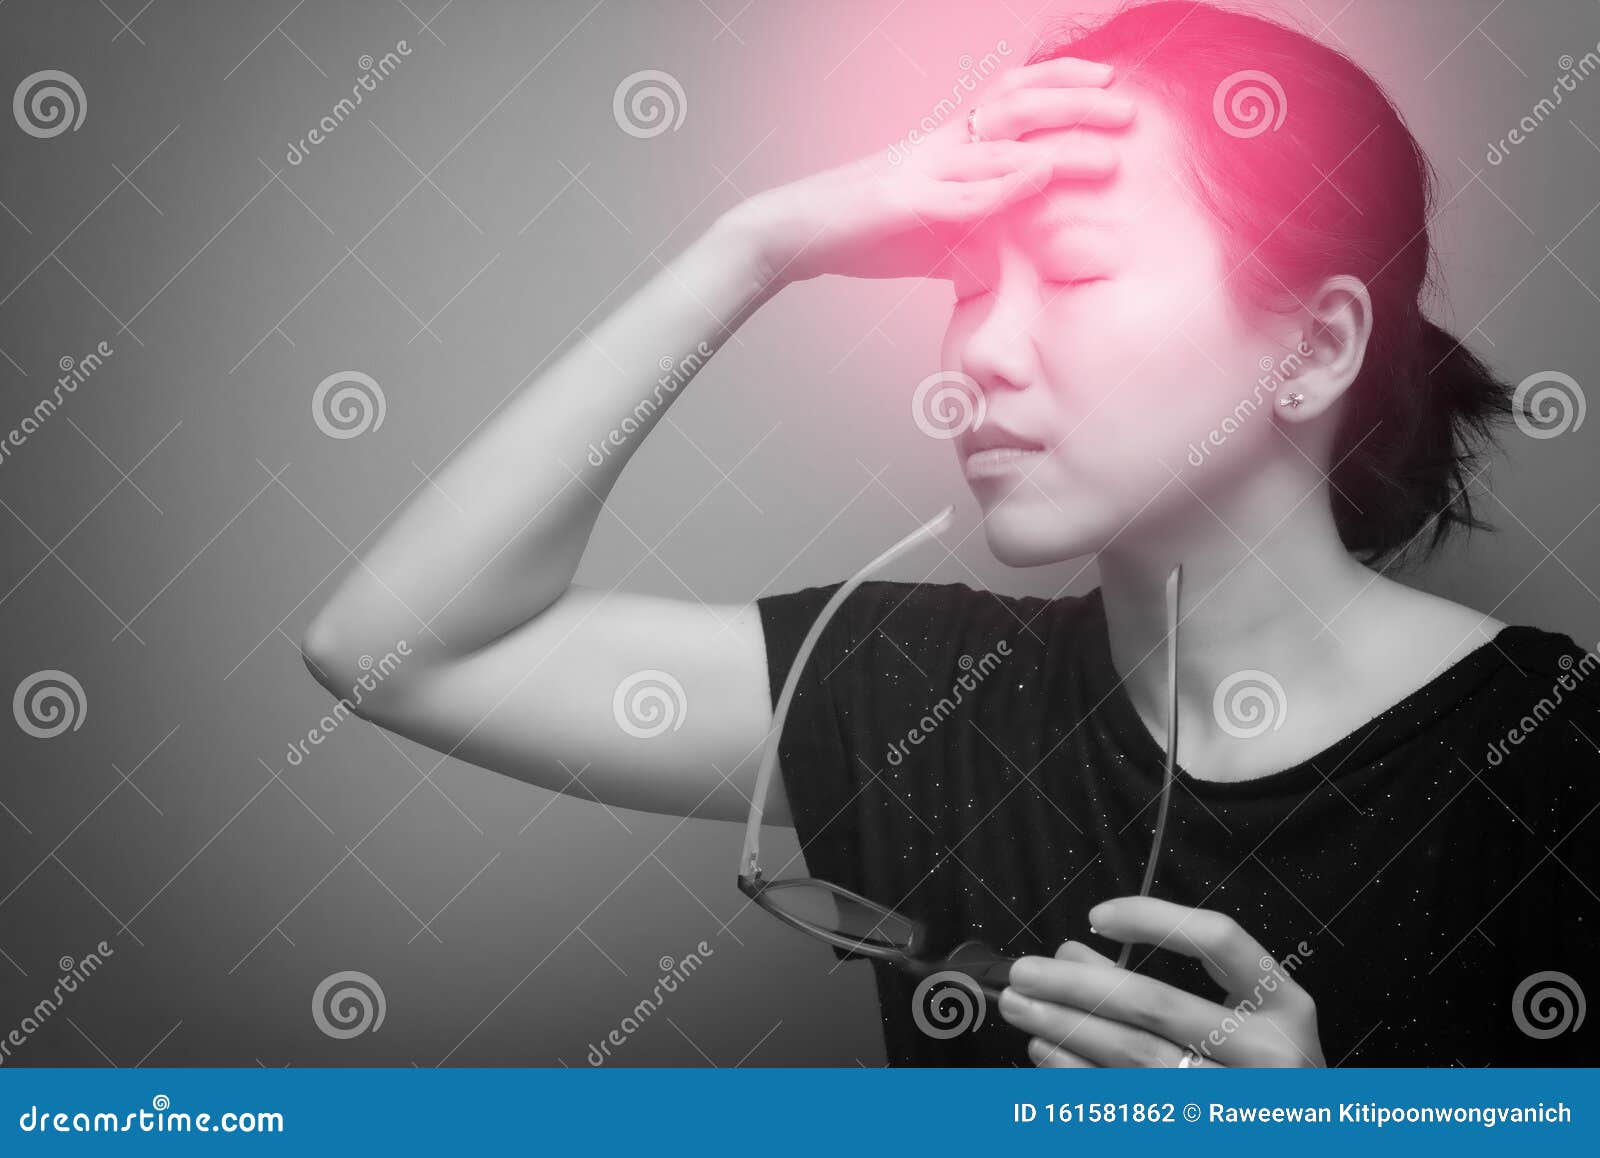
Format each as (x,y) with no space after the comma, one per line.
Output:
(1024,971)
(1011,1002)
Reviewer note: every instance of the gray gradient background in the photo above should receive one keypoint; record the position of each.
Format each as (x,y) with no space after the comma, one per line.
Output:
(166,535)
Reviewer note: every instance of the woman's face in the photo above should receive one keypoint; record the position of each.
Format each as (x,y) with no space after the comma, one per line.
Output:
(1098,327)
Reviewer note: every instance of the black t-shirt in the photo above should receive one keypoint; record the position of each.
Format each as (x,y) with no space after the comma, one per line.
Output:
(971,759)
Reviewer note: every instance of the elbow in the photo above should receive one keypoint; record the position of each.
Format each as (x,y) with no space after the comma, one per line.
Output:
(336,662)
(367,680)
(325,656)
(370,678)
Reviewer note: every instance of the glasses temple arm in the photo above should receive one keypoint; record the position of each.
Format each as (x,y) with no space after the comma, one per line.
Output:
(749,857)
(1174,582)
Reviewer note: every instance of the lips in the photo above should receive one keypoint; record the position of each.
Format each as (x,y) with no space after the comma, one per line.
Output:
(991,436)
(994,450)
(1001,460)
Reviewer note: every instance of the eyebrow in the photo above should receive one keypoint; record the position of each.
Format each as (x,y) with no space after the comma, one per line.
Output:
(1038,227)
(1057,217)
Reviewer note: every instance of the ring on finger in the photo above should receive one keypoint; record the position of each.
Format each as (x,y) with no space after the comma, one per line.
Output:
(1189,1060)
(972,125)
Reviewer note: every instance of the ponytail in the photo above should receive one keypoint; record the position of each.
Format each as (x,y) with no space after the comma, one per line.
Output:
(1419,420)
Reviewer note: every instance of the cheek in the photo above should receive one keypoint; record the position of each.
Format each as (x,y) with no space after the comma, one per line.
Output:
(1144,368)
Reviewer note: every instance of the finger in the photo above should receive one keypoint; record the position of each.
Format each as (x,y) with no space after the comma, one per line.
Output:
(1077,158)
(1117,994)
(969,200)
(1048,1056)
(1097,1039)
(1234,959)
(1078,951)
(980,160)
(1033,110)
(1063,71)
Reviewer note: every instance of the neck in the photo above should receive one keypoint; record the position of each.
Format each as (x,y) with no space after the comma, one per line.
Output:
(1260,592)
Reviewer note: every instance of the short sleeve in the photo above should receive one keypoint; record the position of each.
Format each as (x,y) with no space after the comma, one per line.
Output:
(812,753)
(881,749)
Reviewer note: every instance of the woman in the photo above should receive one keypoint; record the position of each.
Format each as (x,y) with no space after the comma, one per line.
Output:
(1192,325)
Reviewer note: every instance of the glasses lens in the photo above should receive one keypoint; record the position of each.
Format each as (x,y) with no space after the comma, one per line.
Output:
(813,903)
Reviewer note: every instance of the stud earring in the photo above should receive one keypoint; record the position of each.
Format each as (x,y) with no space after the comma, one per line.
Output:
(1292,401)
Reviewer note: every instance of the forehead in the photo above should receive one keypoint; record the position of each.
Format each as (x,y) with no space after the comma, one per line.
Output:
(1148,196)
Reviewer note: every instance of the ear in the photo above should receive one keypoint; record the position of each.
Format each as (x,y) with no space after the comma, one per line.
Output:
(1336,323)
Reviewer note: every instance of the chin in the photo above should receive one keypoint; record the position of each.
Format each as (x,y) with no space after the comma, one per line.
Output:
(1024,533)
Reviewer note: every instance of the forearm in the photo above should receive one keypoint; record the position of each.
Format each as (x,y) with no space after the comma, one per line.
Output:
(498,534)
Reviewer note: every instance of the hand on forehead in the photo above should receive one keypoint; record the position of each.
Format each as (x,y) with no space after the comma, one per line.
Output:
(1144,196)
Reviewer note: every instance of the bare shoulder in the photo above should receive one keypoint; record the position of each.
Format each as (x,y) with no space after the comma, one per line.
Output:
(1423,628)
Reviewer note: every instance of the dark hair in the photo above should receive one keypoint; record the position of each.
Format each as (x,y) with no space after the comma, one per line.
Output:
(1311,172)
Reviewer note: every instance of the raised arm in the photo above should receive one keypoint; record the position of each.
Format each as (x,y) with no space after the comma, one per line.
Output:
(513,667)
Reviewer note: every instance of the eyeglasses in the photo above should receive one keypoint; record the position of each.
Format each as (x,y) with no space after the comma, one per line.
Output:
(857,924)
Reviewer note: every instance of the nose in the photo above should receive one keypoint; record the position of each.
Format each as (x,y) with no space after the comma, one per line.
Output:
(998,351)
